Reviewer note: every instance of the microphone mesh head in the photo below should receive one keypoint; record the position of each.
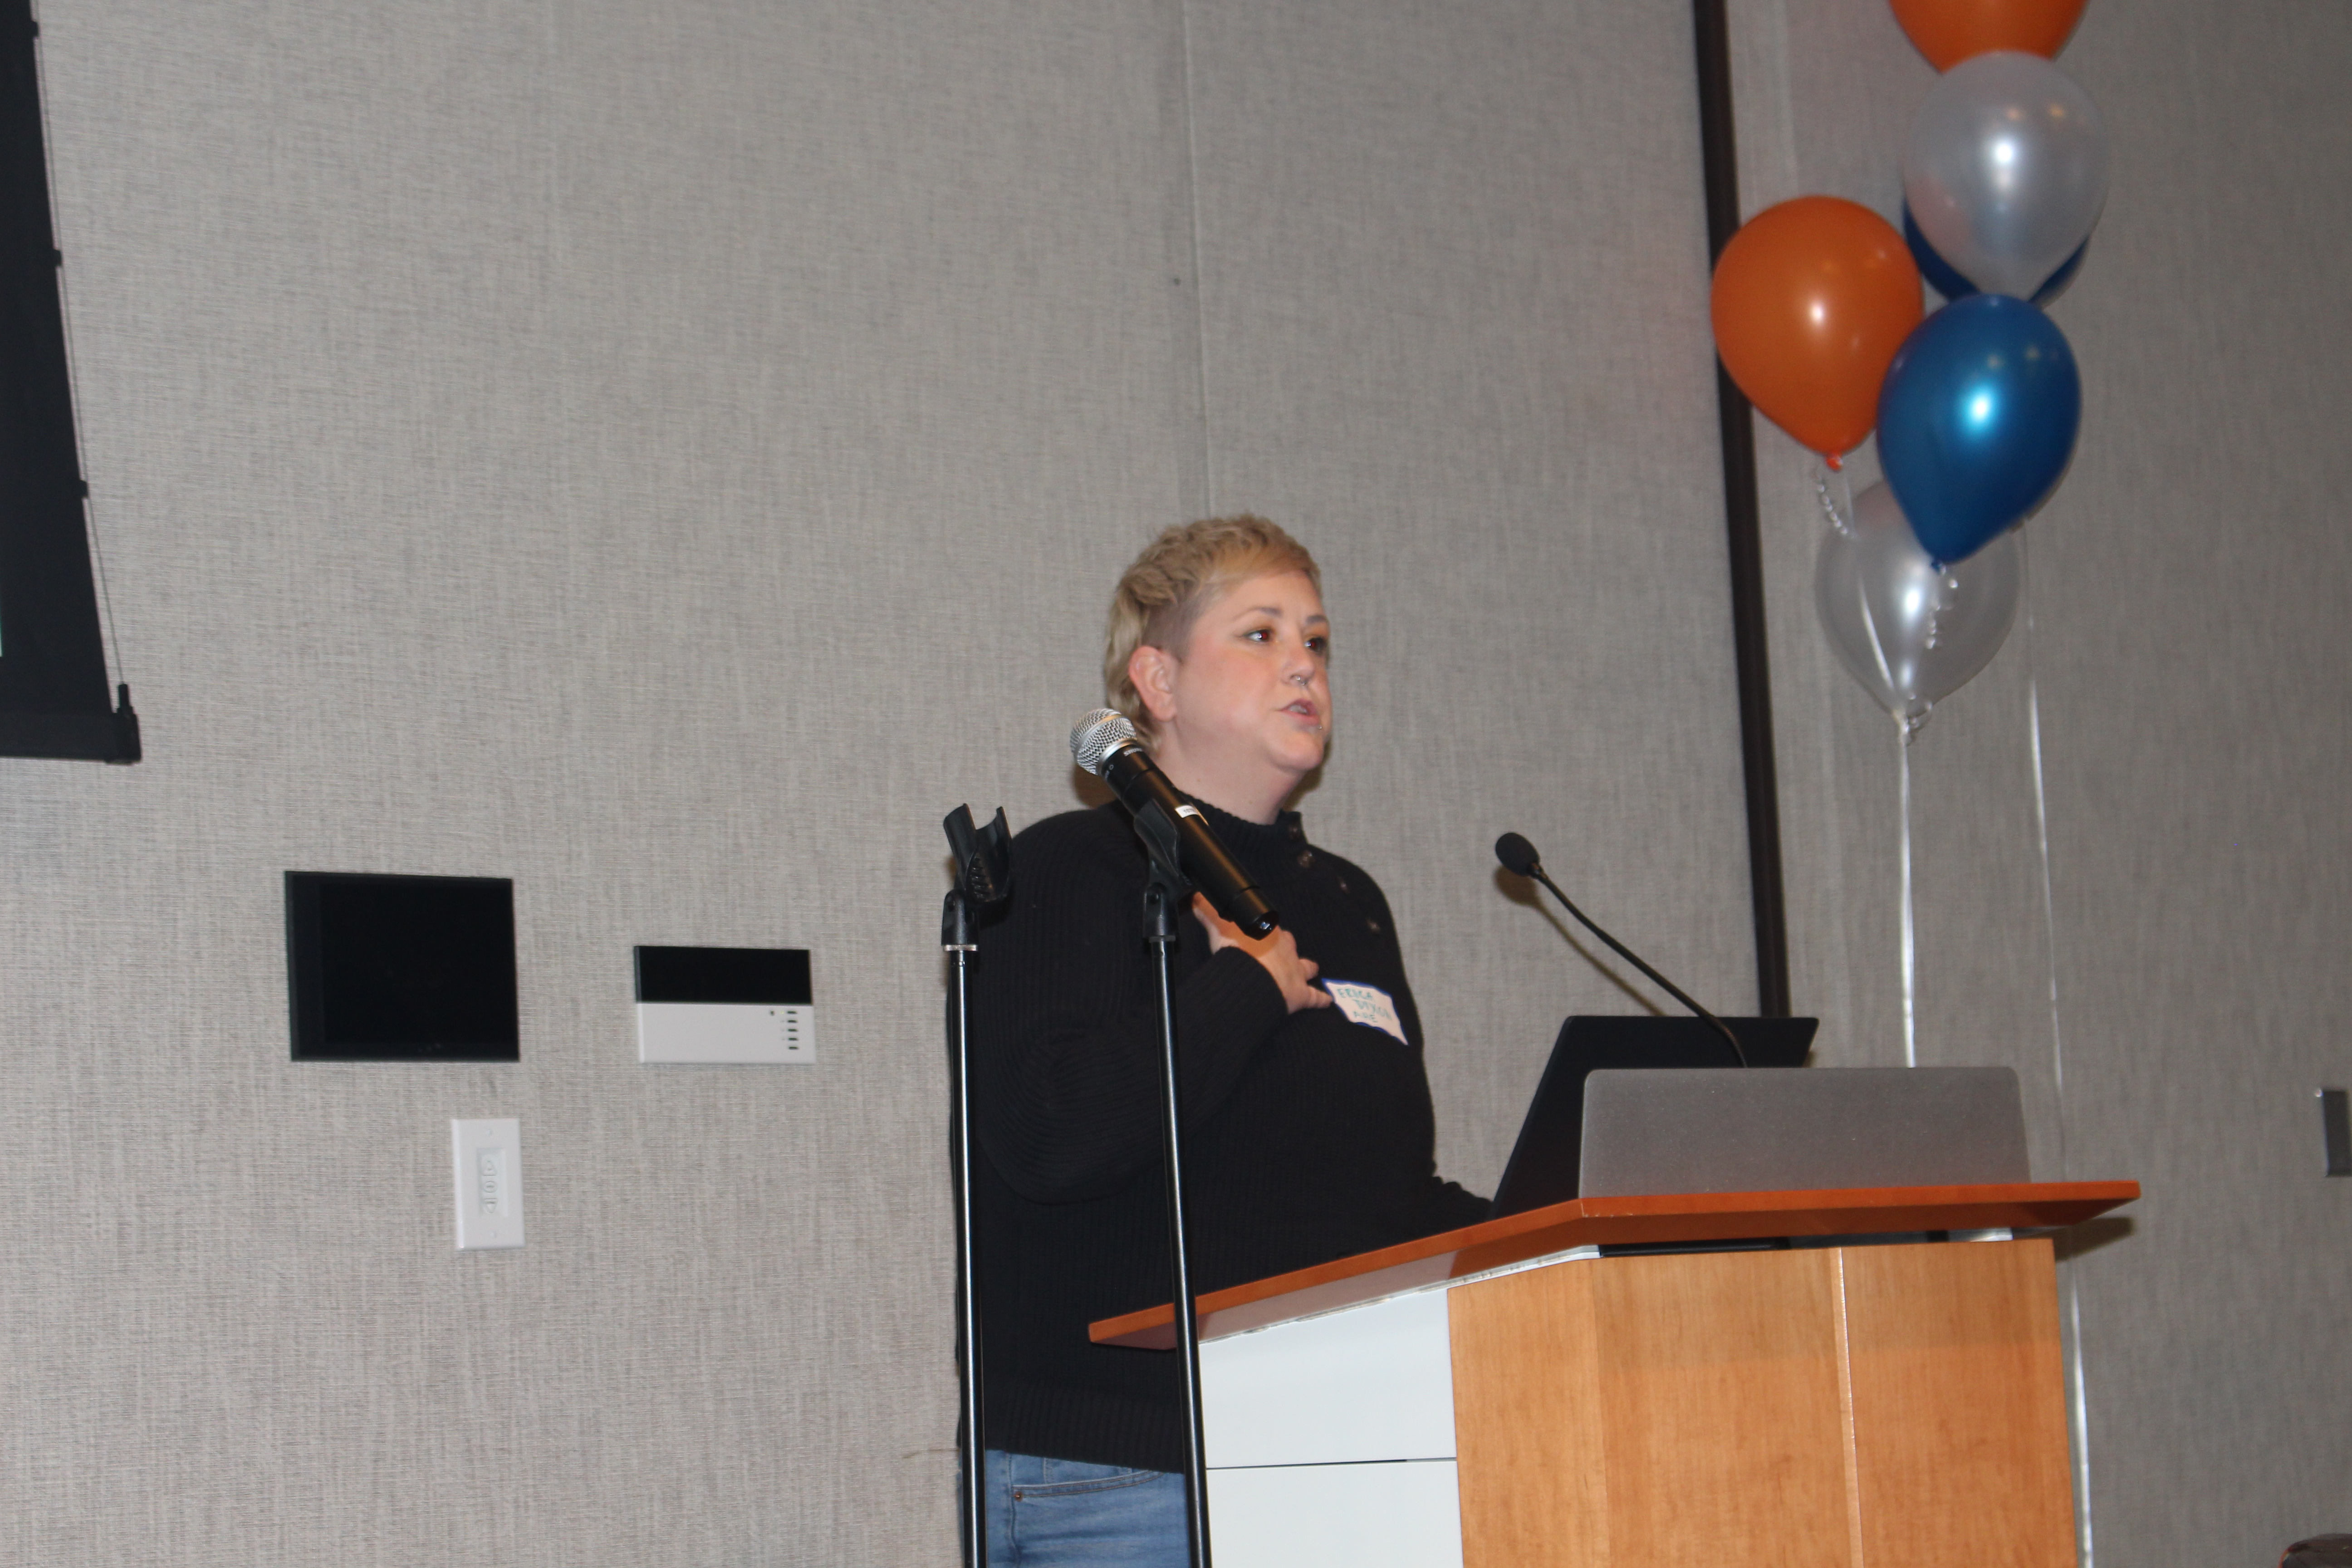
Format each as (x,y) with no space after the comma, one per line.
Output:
(1519,857)
(1095,736)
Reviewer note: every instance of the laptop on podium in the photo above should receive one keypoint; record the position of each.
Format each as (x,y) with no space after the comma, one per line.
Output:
(1641,1104)
(1547,1159)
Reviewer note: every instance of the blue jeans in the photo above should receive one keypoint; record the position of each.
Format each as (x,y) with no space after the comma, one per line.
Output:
(1062,1513)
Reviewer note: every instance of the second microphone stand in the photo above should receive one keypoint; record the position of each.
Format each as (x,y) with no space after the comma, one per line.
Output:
(1165,897)
(983,876)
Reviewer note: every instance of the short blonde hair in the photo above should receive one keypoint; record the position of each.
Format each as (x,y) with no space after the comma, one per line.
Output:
(1161,595)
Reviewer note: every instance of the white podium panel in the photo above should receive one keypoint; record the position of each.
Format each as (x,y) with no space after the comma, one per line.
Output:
(1372,1383)
(1331,1440)
(1405,1514)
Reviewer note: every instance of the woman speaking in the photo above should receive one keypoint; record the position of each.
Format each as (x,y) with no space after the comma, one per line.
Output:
(1307,1127)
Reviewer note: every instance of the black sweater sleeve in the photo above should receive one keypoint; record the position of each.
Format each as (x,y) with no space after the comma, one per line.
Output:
(1066,1042)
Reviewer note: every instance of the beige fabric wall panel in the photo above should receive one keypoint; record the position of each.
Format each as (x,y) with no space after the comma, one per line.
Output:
(2197,749)
(1454,268)
(2182,644)
(604,445)
(669,456)
(599,445)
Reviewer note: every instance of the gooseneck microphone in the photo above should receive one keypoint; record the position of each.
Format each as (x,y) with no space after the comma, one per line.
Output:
(1104,744)
(1519,858)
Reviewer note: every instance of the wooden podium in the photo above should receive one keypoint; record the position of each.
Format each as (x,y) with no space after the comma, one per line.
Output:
(1885,1389)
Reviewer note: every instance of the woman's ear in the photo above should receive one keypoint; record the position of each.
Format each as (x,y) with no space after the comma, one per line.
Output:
(1153,671)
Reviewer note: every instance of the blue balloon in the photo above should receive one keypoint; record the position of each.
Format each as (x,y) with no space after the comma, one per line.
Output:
(1977,421)
(1945,280)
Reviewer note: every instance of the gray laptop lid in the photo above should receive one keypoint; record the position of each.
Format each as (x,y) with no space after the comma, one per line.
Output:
(1550,1146)
(1722,1129)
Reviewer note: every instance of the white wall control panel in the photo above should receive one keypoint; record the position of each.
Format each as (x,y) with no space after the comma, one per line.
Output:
(725,1005)
(724,1032)
(486,1158)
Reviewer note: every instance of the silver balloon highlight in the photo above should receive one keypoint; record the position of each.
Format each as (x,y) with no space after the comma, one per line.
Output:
(1910,631)
(2006,170)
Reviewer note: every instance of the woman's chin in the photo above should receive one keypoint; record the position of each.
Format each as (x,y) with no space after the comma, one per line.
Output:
(1301,756)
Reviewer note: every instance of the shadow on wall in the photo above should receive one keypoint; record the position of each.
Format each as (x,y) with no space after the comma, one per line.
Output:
(2081,1240)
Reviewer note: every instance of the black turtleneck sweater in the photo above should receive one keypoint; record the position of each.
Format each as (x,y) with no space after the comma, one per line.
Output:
(1307,1136)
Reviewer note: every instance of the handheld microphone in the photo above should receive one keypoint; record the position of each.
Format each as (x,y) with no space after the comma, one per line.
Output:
(1104,744)
(1519,858)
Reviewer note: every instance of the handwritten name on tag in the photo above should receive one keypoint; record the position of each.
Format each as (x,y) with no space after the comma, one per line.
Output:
(1366,1004)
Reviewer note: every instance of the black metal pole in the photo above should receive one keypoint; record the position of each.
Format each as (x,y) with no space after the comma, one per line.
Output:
(1161,899)
(957,926)
(1719,156)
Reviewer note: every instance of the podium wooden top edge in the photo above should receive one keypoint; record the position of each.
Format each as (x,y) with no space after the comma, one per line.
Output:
(1617,1221)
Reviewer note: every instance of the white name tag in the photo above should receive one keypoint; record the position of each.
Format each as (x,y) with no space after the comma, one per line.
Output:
(1366,1004)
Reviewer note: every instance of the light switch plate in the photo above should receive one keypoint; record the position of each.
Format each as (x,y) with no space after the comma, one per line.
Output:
(486,1159)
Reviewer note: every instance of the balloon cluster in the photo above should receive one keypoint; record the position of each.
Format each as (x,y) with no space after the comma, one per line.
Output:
(1818,316)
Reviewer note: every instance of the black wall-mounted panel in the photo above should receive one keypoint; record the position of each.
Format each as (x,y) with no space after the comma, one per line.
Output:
(766,976)
(54,700)
(400,968)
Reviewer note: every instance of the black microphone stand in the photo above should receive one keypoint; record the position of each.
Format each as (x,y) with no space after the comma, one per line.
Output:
(984,875)
(1164,898)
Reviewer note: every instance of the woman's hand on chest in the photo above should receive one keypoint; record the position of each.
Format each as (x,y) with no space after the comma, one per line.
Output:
(1278,953)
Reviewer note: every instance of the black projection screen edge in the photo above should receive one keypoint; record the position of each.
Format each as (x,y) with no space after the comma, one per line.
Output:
(54,700)
(1718,149)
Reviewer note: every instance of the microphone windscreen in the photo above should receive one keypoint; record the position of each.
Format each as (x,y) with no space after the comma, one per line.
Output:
(1095,736)
(1519,857)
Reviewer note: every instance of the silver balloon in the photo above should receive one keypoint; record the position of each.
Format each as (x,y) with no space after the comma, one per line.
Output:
(1911,631)
(2006,170)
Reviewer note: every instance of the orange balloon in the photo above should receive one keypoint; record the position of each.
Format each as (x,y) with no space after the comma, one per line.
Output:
(1811,299)
(1950,31)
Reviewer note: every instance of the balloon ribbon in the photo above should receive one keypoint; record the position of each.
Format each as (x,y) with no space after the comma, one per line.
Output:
(1910,968)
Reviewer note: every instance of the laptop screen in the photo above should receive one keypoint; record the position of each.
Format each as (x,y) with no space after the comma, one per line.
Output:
(1544,1161)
